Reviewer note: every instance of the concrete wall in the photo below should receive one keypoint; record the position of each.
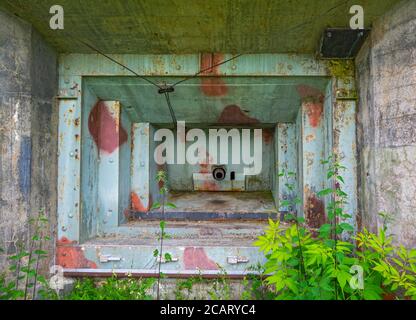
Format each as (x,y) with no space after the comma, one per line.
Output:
(386,74)
(28,131)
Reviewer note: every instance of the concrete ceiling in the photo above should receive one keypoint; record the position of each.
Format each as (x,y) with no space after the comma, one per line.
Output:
(237,100)
(191,26)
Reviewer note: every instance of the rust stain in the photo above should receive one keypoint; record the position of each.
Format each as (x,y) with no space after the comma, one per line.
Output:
(204,164)
(204,168)
(215,86)
(359,221)
(310,137)
(136,203)
(209,186)
(72,257)
(314,112)
(267,135)
(313,101)
(106,132)
(308,92)
(314,210)
(232,114)
(196,258)
(76,122)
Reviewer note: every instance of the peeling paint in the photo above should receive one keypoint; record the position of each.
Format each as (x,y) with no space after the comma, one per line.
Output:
(314,112)
(213,86)
(136,203)
(103,127)
(69,256)
(196,258)
(314,209)
(232,114)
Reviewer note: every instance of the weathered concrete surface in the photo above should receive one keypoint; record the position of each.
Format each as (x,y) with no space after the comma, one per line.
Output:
(386,74)
(188,26)
(28,131)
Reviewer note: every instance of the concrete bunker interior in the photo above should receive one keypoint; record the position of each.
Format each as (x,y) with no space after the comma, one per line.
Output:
(366,118)
(122,114)
(108,120)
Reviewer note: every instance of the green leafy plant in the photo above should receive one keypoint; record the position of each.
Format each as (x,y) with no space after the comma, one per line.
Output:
(27,282)
(304,265)
(255,285)
(220,287)
(112,288)
(162,181)
(393,268)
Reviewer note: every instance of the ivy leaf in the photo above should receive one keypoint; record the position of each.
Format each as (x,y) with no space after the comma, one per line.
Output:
(155,253)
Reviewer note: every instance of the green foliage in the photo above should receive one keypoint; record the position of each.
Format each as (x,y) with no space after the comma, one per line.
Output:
(112,289)
(26,282)
(162,180)
(256,286)
(220,287)
(184,288)
(303,265)
(393,267)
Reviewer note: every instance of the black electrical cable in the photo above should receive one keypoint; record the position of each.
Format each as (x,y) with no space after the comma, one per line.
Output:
(170,88)
(172,113)
(122,65)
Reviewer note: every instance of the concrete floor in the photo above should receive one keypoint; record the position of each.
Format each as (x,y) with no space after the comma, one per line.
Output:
(211,205)
(222,202)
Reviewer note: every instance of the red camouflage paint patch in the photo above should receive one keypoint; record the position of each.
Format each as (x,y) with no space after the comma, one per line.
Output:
(312,99)
(107,134)
(71,256)
(232,114)
(215,86)
(136,203)
(196,258)
(210,186)
(314,112)
(306,92)
(267,135)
